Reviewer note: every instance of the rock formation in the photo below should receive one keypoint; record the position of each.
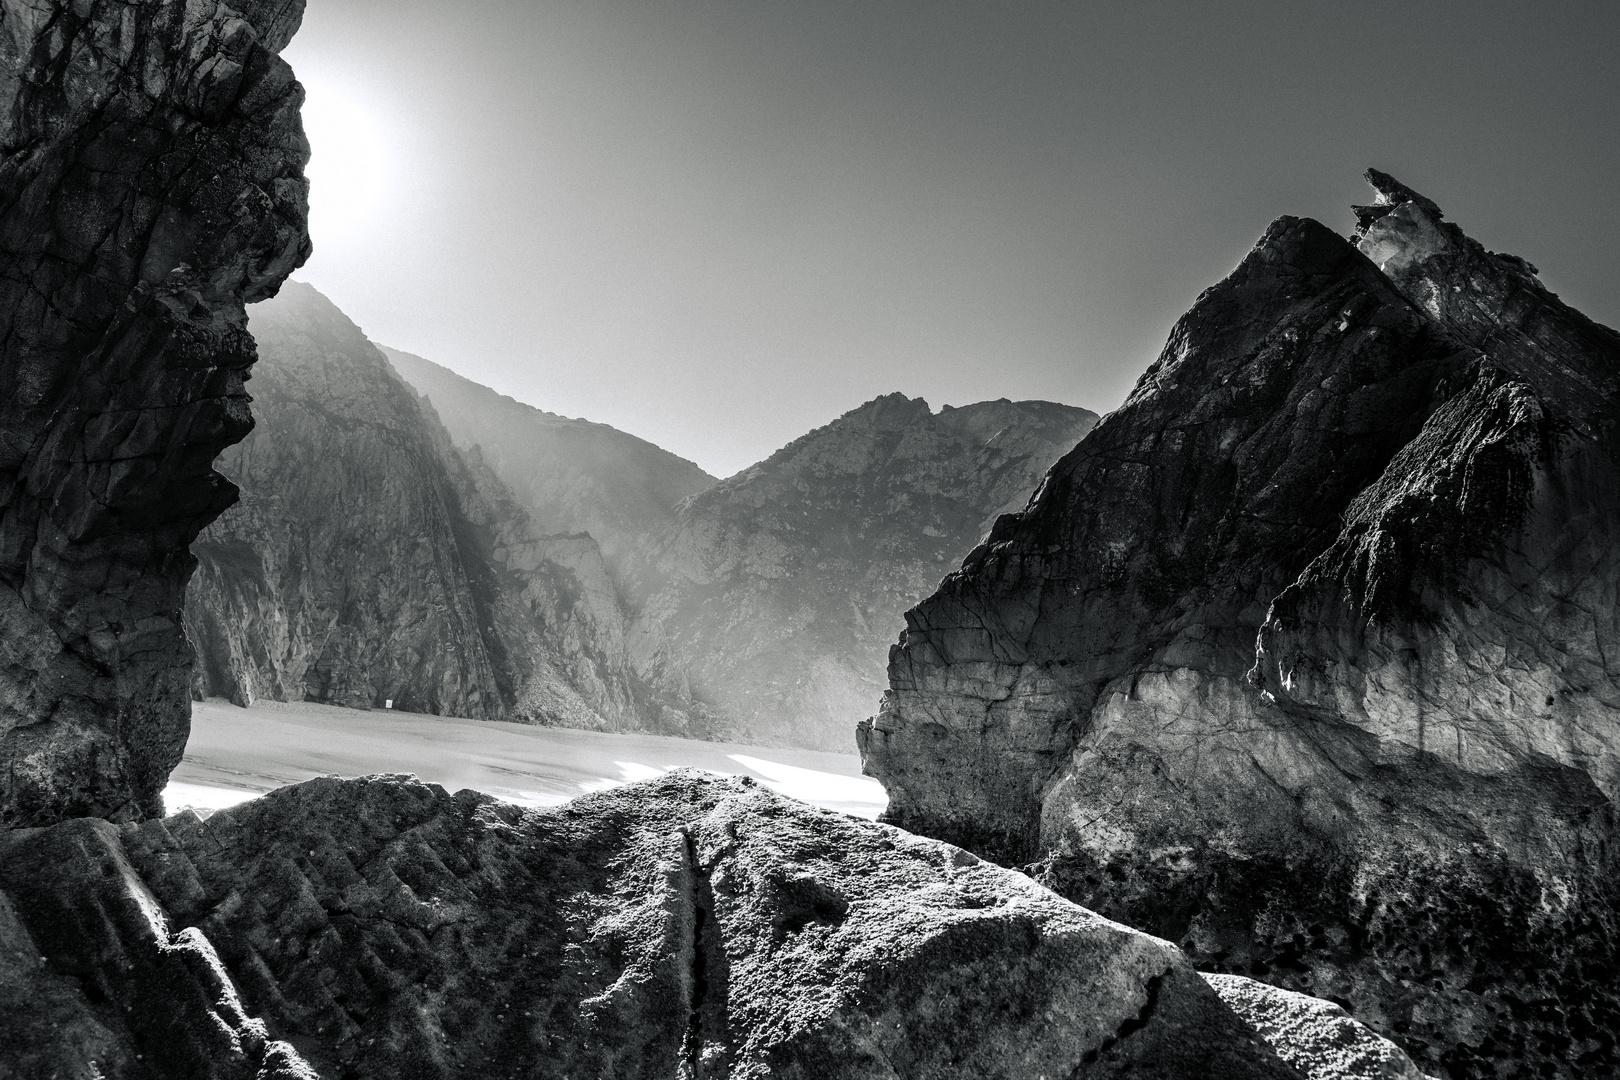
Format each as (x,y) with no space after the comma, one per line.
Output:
(782,586)
(572,476)
(692,927)
(151,181)
(370,561)
(1306,658)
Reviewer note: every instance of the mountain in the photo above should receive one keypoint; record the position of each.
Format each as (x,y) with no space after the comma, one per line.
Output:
(572,476)
(1306,657)
(370,561)
(152,183)
(780,588)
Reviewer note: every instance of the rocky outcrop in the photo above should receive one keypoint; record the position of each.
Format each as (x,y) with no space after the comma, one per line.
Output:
(151,182)
(371,562)
(1306,657)
(694,926)
(572,476)
(781,587)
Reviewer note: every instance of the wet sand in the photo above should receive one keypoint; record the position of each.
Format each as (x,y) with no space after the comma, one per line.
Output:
(236,754)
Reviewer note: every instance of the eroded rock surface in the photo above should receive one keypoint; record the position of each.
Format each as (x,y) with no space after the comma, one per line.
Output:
(1314,1036)
(1306,658)
(693,927)
(151,181)
(781,587)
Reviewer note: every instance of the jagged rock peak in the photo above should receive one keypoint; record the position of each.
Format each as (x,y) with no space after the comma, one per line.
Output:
(1306,657)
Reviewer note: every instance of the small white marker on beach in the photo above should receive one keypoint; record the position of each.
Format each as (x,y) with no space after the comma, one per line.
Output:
(388,704)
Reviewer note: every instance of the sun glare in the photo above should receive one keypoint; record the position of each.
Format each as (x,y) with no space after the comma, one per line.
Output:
(348,168)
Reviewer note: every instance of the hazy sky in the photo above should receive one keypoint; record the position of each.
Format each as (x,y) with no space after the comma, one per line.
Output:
(720,223)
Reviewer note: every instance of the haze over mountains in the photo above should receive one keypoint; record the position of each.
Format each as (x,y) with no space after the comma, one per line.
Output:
(462,553)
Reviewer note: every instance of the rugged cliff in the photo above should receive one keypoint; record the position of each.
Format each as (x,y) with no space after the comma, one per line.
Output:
(1306,657)
(781,587)
(151,181)
(369,560)
(572,476)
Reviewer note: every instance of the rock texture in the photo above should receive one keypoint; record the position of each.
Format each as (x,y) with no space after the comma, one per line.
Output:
(370,561)
(1316,1037)
(572,476)
(151,181)
(1306,658)
(781,587)
(690,927)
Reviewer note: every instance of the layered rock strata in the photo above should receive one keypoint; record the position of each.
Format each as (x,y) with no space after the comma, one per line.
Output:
(370,561)
(151,181)
(781,587)
(1306,657)
(692,927)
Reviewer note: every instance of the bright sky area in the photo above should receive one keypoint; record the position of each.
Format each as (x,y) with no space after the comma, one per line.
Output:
(718,224)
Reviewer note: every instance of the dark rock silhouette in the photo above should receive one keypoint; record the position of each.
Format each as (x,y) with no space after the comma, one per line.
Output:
(152,182)
(1306,657)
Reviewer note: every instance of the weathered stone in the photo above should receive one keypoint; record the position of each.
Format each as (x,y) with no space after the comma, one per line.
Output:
(1314,1036)
(692,926)
(151,181)
(1306,657)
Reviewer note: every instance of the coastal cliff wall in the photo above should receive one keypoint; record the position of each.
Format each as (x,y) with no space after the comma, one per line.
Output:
(151,182)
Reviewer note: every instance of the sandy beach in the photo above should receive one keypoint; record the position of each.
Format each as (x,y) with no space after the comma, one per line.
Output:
(236,754)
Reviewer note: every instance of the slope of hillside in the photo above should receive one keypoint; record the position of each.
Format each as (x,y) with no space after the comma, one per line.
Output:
(1308,657)
(572,476)
(782,586)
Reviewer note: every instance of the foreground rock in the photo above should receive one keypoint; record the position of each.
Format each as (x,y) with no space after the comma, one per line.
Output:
(780,589)
(152,181)
(1308,657)
(370,561)
(691,926)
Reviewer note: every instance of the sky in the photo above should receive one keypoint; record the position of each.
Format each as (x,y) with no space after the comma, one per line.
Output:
(718,224)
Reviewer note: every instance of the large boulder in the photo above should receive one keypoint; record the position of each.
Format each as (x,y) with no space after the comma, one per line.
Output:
(1308,657)
(151,182)
(692,926)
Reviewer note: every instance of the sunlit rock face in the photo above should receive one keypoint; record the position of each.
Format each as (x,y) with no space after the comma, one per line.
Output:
(369,562)
(1306,658)
(783,585)
(693,926)
(151,182)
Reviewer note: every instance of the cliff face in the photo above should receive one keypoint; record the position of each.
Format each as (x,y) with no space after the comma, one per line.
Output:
(784,584)
(151,182)
(1305,657)
(689,927)
(369,560)
(572,476)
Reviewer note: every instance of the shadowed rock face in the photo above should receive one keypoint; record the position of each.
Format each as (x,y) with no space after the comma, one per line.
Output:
(151,182)
(1306,658)
(689,927)
(782,586)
